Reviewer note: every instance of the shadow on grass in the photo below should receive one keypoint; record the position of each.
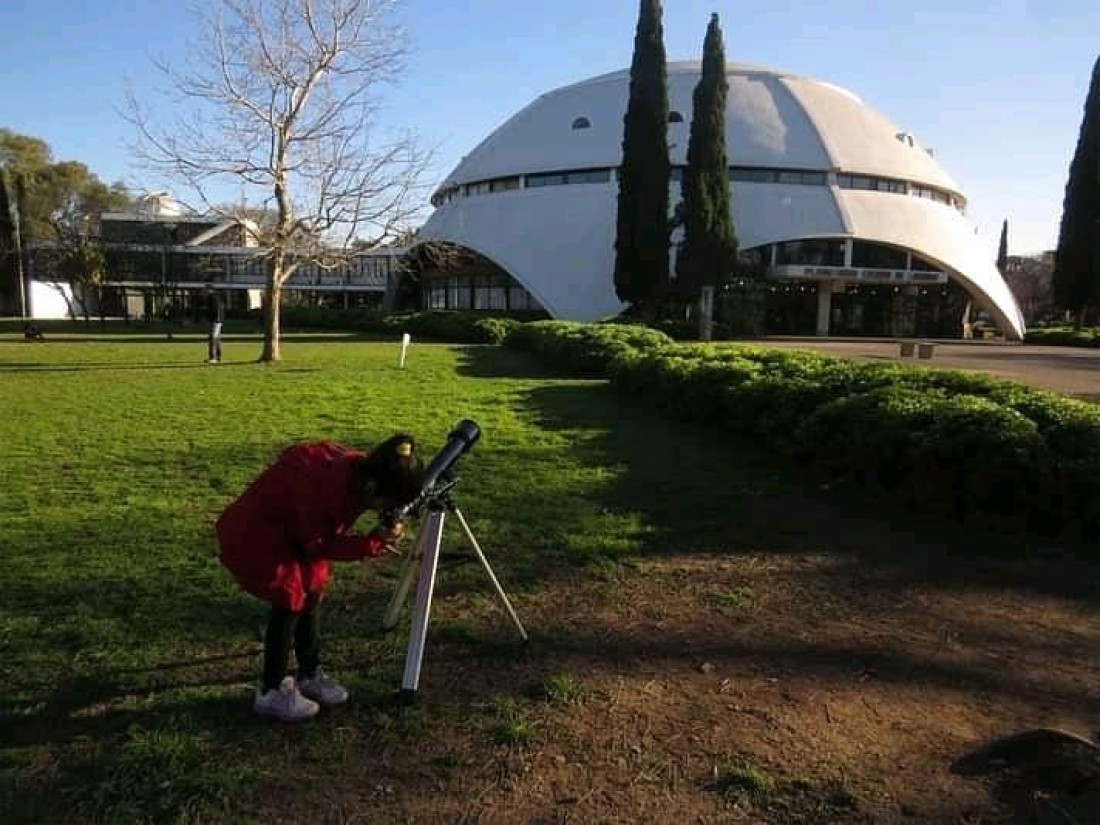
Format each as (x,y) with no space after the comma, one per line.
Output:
(700,489)
(487,361)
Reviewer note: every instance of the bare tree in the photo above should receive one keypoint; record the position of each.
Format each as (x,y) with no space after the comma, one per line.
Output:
(281,98)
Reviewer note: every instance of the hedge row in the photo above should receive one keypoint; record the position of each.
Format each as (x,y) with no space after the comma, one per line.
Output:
(441,325)
(1064,336)
(947,442)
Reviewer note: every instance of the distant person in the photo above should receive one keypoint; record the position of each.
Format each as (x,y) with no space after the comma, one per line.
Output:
(215,317)
(278,540)
(32,333)
(168,315)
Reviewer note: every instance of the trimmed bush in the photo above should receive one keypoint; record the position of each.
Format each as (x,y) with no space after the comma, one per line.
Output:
(947,442)
(585,350)
(1064,336)
(439,325)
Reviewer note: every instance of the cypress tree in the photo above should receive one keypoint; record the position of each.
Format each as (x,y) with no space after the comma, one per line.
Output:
(1076,279)
(709,250)
(9,263)
(641,239)
(1002,249)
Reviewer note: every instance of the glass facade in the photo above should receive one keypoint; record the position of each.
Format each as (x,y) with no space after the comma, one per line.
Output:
(484,293)
(811,252)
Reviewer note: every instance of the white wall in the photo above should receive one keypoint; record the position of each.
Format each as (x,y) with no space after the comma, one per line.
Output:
(46,301)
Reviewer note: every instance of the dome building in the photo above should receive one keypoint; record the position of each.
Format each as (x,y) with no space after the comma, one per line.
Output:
(854,219)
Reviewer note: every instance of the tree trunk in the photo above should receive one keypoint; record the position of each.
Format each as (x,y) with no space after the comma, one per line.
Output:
(272,299)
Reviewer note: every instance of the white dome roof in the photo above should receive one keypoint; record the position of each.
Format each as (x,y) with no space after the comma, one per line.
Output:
(773,119)
(871,181)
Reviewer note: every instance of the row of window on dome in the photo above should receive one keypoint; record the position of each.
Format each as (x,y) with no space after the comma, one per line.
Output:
(584,123)
(737,174)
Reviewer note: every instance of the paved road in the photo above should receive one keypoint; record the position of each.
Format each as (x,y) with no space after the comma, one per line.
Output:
(1070,370)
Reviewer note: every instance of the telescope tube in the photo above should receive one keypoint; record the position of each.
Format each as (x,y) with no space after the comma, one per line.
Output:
(462,438)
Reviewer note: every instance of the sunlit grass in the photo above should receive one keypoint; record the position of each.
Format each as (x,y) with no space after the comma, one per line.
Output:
(124,643)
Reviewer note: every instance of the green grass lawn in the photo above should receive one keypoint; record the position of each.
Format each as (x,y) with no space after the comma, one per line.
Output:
(125,650)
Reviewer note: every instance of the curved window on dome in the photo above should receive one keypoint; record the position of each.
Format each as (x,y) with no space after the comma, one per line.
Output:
(675,117)
(750,174)
(919,264)
(811,252)
(588,176)
(545,179)
(802,178)
(866,255)
(582,123)
(504,184)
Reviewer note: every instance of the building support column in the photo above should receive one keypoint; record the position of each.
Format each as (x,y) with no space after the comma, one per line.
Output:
(824,306)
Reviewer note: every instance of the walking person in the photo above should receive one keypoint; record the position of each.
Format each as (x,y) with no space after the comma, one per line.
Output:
(215,317)
(278,540)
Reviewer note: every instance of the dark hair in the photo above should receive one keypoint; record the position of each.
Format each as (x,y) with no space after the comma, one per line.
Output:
(395,469)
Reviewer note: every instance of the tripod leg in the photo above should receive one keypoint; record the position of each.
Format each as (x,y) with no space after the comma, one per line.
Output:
(433,536)
(404,581)
(485,563)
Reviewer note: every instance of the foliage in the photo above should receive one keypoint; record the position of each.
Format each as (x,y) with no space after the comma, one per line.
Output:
(127,654)
(708,253)
(54,194)
(282,102)
(452,326)
(1002,249)
(641,232)
(583,349)
(1077,261)
(739,777)
(1064,336)
(946,442)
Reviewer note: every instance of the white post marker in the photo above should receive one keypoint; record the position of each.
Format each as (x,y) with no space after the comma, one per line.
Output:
(405,341)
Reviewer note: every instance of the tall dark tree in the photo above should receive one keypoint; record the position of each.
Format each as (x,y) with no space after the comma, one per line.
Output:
(641,240)
(709,250)
(54,202)
(1077,260)
(11,296)
(1002,249)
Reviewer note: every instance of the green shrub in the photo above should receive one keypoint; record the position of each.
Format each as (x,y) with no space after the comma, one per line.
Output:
(585,350)
(948,442)
(868,435)
(436,324)
(1064,336)
(977,455)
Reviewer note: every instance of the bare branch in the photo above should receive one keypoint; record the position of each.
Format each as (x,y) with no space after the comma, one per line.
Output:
(280,99)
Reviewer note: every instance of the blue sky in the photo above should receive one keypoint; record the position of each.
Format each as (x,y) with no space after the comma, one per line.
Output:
(995,87)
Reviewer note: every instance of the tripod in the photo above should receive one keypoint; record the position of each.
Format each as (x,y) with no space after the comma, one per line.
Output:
(438,503)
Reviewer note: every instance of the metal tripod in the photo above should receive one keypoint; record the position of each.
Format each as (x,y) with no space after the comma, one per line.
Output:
(426,548)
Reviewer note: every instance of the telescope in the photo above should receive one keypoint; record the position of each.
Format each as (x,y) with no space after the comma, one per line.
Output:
(435,498)
(462,438)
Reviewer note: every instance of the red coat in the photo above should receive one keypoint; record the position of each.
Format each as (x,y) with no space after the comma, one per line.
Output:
(278,537)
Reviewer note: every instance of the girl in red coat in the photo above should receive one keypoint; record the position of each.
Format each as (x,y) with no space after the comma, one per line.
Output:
(278,540)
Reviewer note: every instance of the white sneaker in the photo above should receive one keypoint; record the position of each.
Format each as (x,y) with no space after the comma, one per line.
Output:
(286,703)
(323,689)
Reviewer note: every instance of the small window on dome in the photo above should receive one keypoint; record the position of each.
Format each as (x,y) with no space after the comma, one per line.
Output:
(675,117)
(582,123)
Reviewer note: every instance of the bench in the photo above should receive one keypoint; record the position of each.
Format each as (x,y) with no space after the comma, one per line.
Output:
(922,349)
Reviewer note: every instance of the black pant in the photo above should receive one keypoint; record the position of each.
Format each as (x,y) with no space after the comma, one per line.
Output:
(288,629)
(214,341)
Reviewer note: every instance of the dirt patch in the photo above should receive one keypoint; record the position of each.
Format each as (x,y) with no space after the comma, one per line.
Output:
(839,680)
